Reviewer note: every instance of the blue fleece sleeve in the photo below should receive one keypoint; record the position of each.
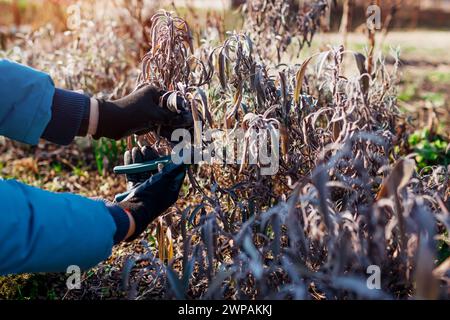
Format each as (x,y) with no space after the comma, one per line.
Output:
(31,107)
(25,102)
(41,231)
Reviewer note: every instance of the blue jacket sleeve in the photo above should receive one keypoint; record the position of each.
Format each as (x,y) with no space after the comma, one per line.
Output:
(25,102)
(42,231)
(31,107)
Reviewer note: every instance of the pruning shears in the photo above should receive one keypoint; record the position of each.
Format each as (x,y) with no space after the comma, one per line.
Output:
(143,166)
(133,168)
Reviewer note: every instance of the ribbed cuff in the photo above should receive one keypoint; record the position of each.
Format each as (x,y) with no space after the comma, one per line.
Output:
(68,110)
(122,222)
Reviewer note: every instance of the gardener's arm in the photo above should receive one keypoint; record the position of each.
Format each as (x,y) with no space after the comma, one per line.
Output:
(32,108)
(40,230)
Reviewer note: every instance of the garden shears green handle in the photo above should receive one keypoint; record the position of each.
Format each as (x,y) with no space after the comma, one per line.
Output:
(143,166)
(139,168)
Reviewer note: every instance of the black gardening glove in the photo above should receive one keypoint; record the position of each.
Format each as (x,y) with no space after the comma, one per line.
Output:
(151,193)
(139,112)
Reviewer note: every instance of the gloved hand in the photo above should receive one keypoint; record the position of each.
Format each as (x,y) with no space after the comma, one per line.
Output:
(139,155)
(139,112)
(151,193)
